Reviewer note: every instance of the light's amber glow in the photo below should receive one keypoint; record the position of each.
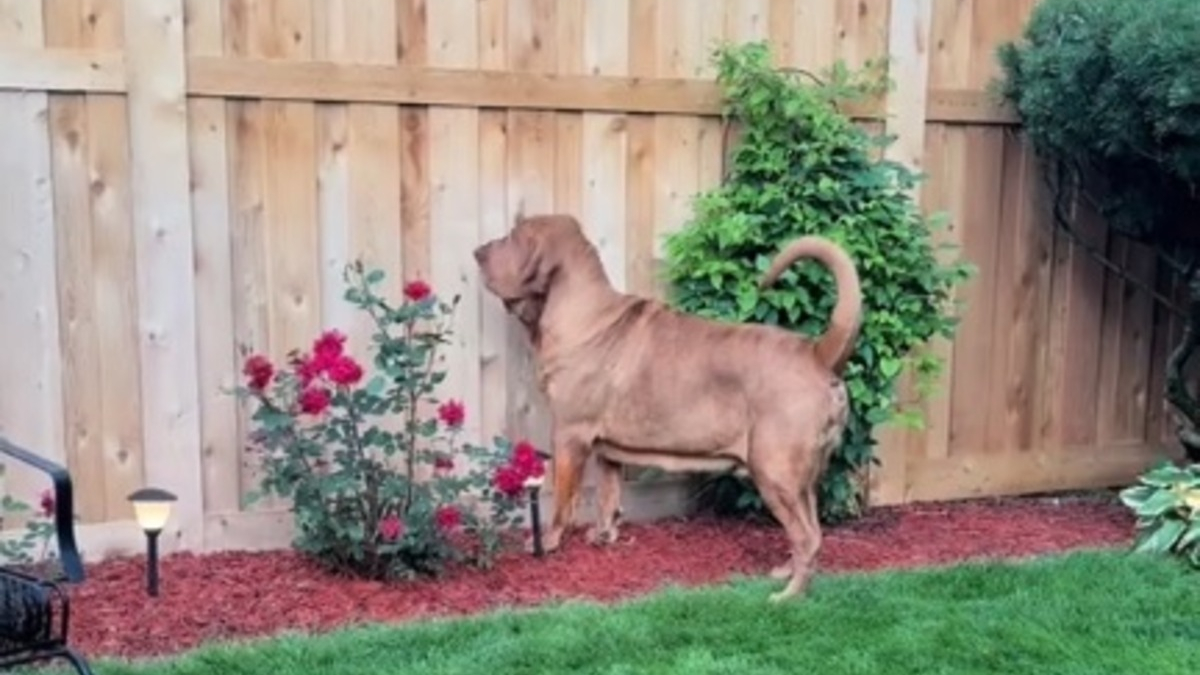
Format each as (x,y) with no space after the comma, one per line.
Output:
(152,515)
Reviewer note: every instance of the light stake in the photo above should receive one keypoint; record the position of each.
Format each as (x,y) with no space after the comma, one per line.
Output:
(534,485)
(152,509)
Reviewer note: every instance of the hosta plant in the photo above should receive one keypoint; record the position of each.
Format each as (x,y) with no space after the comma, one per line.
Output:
(1166,501)
(380,480)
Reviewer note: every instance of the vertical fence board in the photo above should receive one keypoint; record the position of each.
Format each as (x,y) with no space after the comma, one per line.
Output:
(31,407)
(940,196)
(1009,424)
(106,279)
(641,178)
(333,40)
(1081,372)
(815,34)
(1111,341)
(1136,355)
(214,237)
(116,296)
(412,33)
(568,26)
(284,31)
(359,166)
(83,420)
(531,182)
(454,206)
(163,233)
(248,166)
(908,52)
(605,141)
(676,137)
(494,221)
(976,333)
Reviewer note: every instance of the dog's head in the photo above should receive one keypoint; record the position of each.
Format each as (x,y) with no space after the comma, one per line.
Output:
(521,267)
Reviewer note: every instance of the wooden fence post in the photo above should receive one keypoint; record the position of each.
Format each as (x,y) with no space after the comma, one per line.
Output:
(161,182)
(31,411)
(909,32)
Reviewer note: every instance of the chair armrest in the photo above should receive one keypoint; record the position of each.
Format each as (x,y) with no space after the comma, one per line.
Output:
(64,512)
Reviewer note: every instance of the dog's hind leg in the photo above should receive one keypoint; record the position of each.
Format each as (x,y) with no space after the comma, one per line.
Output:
(781,480)
(785,504)
(608,508)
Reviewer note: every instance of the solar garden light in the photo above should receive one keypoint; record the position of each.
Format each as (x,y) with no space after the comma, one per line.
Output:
(152,509)
(534,486)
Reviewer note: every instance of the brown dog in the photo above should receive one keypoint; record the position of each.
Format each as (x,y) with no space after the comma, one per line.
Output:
(632,381)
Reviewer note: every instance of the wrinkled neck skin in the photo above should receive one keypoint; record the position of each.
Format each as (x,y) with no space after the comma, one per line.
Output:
(575,310)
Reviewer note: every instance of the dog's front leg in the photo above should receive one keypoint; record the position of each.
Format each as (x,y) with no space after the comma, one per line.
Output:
(570,453)
(608,507)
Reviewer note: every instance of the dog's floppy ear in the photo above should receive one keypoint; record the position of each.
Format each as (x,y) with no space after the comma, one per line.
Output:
(528,312)
(539,265)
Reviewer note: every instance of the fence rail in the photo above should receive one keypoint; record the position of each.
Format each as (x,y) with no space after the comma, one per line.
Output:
(79,71)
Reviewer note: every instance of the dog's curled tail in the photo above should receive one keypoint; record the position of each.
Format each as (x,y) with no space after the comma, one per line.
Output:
(834,347)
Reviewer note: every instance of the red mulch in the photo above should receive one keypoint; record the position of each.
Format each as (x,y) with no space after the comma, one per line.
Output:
(233,595)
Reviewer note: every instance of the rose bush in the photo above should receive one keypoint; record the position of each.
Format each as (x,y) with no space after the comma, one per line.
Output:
(381,482)
(31,548)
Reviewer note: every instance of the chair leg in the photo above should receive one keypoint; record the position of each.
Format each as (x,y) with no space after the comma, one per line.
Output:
(80,663)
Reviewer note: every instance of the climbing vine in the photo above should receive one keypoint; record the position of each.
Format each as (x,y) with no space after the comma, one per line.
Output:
(801,166)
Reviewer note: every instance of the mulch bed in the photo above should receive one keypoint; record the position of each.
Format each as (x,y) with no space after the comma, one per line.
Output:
(237,595)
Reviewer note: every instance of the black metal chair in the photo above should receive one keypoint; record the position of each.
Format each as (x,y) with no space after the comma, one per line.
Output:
(35,612)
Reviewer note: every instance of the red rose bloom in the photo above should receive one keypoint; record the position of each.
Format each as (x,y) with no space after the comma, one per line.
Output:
(308,369)
(527,461)
(314,400)
(344,371)
(443,464)
(259,371)
(47,502)
(329,345)
(417,290)
(391,527)
(452,413)
(447,517)
(508,481)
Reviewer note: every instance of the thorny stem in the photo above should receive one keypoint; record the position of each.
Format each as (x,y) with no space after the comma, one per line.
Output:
(414,397)
(410,456)
(353,429)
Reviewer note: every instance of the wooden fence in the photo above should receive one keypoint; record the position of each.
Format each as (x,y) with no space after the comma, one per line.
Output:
(181,178)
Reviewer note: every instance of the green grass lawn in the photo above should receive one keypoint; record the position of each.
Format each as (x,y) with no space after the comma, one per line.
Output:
(1094,612)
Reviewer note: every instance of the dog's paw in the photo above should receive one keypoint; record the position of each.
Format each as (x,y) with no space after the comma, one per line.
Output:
(551,541)
(779,596)
(782,571)
(597,536)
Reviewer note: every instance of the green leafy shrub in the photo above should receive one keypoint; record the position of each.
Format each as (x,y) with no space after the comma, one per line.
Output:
(379,487)
(1108,94)
(1166,501)
(1111,88)
(802,167)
